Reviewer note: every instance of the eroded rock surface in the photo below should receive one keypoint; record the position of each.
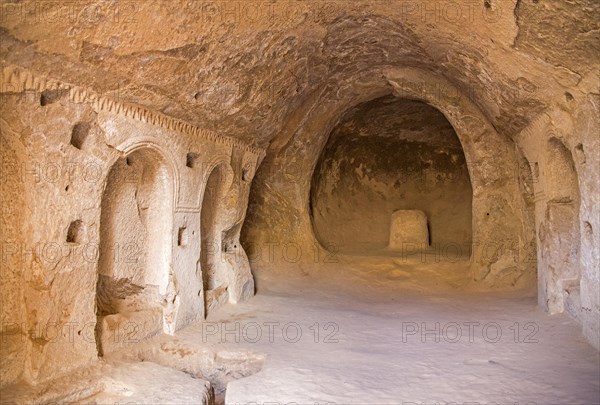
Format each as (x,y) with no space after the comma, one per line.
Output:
(114,117)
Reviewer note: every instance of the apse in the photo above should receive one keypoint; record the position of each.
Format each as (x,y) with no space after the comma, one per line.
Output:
(392,177)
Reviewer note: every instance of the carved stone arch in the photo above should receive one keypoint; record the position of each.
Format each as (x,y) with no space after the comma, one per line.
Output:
(135,143)
(556,167)
(218,181)
(136,243)
(559,230)
(227,172)
(497,220)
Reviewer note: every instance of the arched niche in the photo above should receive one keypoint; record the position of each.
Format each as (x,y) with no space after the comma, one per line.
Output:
(498,219)
(386,161)
(559,232)
(214,271)
(135,245)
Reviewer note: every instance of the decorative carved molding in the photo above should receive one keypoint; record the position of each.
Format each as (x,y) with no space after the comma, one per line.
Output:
(18,79)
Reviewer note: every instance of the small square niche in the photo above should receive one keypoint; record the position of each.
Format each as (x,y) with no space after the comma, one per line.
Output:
(190,159)
(182,236)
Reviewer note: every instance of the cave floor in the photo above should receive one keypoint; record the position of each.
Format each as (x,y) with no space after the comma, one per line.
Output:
(360,331)
(364,345)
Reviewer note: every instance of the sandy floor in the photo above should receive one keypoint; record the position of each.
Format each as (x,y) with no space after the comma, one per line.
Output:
(360,331)
(328,341)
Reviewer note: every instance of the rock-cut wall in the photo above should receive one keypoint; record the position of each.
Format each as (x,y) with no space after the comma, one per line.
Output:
(101,235)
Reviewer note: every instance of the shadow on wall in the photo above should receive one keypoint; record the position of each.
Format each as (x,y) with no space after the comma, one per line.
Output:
(135,248)
(388,156)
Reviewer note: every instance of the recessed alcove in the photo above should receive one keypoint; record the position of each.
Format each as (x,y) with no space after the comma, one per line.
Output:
(52,96)
(391,156)
(214,277)
(75,233)
(79,134)
(135,247)
(190,159)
